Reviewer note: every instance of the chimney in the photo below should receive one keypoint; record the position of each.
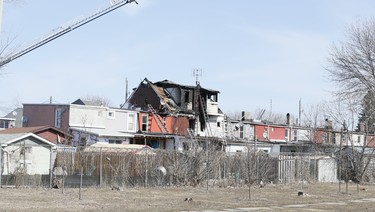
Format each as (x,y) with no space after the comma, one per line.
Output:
(362,126)
(328,124)
(245,115)
(288,119)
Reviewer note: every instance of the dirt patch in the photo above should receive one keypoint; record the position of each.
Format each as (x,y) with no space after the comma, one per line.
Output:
(271,197)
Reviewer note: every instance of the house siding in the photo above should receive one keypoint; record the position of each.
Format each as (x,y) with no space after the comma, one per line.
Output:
(40,115)
(30,154)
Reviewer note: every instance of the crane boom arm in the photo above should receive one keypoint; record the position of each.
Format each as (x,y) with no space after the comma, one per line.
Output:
(63,30)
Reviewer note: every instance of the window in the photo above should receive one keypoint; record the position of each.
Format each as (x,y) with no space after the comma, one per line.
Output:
(114,141)
(286,134)
(58,113)
(111,114)
(295,134)
(218,124)
(144,122)
(186,96)
(131,122)
(4,124)
(241,132)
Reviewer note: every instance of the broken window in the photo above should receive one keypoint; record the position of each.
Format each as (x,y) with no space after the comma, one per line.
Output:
(144,122)
(186,97)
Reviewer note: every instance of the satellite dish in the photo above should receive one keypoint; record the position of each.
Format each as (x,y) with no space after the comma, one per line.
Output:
(162,170)
(25,119)
(265,135)
(14,113)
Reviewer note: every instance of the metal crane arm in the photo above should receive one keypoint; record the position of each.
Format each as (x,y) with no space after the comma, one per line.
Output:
(63,30)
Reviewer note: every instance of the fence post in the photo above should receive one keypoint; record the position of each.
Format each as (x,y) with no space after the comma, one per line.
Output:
(146,165)
(101,168)
(50,167)
(1,166)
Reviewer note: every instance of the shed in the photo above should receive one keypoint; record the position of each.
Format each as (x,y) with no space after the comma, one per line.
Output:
(326,169)
(25,153)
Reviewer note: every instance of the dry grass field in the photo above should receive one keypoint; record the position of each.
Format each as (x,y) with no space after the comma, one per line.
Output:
(317,197)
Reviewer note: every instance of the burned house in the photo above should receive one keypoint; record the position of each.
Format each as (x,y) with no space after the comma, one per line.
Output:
(195,109)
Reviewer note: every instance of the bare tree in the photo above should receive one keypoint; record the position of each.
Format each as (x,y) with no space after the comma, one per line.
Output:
(352,63)
(96,100)
(7,43)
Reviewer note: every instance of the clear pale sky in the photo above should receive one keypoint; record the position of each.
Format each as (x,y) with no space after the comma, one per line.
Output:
(251,51)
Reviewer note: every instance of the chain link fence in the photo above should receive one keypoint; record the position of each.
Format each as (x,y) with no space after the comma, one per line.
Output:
(204,167)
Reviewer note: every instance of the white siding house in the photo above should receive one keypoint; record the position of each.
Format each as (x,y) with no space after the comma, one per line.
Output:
(102,124)
(25,152)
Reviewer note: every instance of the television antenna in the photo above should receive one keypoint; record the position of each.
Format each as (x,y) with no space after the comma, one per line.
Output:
(197,73)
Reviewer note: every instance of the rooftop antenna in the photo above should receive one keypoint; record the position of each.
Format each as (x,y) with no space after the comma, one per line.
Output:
(197,73)
(126,89)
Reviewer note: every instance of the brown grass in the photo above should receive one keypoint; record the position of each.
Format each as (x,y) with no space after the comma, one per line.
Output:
(275,197)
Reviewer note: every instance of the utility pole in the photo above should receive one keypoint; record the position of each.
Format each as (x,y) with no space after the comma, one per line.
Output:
(299,112)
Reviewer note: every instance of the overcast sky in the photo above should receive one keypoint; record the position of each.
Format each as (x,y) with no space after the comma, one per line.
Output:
(253,52)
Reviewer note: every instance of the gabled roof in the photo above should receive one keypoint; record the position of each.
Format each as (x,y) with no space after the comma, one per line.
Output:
(161,94)
(7,139)
(34,130)
(15,113)
(88,102)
